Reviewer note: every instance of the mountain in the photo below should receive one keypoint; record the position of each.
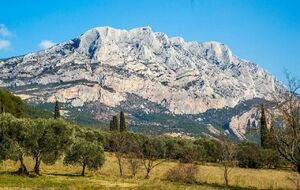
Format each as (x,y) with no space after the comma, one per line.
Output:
(164,84)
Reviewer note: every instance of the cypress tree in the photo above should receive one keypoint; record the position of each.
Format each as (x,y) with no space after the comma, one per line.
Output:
(271,135)
(263,128)
(122,122)
(1,107)
(56,110)
(115,125)
(111,128)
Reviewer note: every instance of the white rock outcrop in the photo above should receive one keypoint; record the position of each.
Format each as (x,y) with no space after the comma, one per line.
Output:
(104,64)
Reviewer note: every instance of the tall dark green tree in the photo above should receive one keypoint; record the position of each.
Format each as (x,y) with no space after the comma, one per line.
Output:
(122,122)
(115,123)
(56,110)
(111,127)
(263,129)
(2,107)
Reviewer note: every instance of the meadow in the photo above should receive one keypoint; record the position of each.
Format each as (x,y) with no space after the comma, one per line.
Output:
(210,177)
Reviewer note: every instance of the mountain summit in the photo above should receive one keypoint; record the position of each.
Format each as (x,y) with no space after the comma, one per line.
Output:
(143,72)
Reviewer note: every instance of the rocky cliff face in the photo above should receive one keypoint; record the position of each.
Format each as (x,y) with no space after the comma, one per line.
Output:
(107,67)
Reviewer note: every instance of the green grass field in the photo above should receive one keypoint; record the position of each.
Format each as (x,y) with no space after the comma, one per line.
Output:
(210,177)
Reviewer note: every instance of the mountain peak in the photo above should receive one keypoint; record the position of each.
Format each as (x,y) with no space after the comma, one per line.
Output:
(106,70)
(219,51)
(189,77)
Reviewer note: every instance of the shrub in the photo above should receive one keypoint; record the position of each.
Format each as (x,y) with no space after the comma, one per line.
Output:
(251,155)
(210,149)
(186,173)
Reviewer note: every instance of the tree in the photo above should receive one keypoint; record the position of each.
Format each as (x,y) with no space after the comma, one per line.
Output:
(56,110)
(13,138)
(122,122)
(248,155)
(263,129)
(152,153)
(288,134)
(10,103)
(120,143)
(211,149)
(184,150)
(115,125)
(49,139)
(111,127)
(86,153)
(227,157)
(134,152)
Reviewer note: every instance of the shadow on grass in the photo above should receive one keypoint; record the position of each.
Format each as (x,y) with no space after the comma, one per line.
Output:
(31,174)
(14,173)
(7,172)
(17,173)
(221,186)
(230,187)
(66,174)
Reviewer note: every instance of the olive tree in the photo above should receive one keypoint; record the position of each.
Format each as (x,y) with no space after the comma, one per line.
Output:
(153,153)
(87,150)
(49,139)
(120,143)
(88,154)
(14,135)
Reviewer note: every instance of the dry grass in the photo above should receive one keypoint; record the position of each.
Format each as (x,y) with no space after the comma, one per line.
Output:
(59,176)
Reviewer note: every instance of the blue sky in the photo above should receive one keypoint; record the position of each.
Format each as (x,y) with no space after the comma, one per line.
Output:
(266,32)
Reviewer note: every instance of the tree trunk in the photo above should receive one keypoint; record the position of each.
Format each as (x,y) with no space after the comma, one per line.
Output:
(226,176)
(148,167)
(37,165)
(147,174)
(133,166)
(298,168)
(83,169)
(22,170)
(120,166)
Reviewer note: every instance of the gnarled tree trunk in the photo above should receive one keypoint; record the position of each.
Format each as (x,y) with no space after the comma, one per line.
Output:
(83,169)
(37,165)
(22,170)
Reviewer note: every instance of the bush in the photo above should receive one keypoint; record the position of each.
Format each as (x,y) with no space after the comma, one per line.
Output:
(186,173)
(210,149)
(251,155)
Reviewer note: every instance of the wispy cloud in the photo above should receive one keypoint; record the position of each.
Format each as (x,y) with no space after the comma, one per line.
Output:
(4,44)
(45,44)
(4,32)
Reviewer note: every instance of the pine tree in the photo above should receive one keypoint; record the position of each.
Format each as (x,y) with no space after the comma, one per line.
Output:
(263,129)
(122,122)
(56,110)
(115,125)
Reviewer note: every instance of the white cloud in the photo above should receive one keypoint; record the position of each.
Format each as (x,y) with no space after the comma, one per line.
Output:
(4,44)
(45,44)
(4,31)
